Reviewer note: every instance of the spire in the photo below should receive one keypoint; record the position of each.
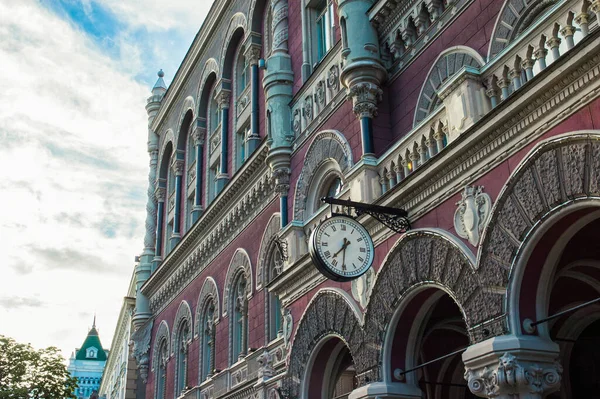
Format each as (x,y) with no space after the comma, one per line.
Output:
(94,324)
(160,86)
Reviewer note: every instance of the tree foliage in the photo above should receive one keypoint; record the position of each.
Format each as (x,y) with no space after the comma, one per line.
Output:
(26,373)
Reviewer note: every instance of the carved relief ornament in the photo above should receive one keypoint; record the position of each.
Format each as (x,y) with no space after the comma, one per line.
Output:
(141,346)
(511,377)
(472,214)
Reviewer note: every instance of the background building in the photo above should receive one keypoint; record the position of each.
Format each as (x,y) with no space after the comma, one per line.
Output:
(87,364)
(478,117)
(120,379)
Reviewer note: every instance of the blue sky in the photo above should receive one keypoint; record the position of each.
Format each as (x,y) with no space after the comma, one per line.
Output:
(73,160)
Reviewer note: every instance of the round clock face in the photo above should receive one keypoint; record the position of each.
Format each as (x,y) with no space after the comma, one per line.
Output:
(341,248)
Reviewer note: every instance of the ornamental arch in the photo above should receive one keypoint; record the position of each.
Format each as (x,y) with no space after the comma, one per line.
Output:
(162,337)
(541,244)
(558,175)
(428,261)
(329,152)
(331,322)
(182,317)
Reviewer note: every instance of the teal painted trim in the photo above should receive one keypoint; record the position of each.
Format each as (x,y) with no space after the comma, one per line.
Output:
(159,228)
(199,159)
(224,136)
(283,208)
(177,215)
(366,128)
(254,113)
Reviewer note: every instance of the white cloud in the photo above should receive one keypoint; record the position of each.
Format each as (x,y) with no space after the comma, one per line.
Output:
(161,15)
(73,175)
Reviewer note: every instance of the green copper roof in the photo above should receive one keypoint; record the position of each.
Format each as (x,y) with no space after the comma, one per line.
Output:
(91,341)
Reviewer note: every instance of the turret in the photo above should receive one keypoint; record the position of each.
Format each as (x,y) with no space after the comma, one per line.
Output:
(277,82)
(143,268)
(363,71)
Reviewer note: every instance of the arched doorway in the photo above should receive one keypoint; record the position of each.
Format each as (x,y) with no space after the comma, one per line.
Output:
(562,275)
(331,373)
(425,344)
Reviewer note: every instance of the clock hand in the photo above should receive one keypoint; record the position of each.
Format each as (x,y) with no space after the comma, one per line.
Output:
(344,257)
(344,245)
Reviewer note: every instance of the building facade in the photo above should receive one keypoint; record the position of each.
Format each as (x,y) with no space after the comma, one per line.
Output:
(87,364)
(120,378)
(480,118)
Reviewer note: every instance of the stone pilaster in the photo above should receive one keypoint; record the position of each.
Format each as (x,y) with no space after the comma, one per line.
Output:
(513,367)
(363,71)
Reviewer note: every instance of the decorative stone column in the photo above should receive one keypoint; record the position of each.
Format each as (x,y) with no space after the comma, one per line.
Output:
(278,80)
(161,195)
(386,390)
(513,367)
(198,135)
(252,54)
(178,165)
(144,267)
(223,98)
(363,71)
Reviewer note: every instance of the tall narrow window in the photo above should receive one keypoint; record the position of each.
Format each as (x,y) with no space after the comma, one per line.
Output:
(208,342)
(240,319)
(324,28)
(241,145)
(242,73)
(161,371)
(182,357)
(275,268)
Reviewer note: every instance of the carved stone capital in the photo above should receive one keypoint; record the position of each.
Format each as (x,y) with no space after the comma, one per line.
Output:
(161,194)
(540,53)
(178,165)
(223,97)
(511,366)
(140,340)
(527,63)
(365,97)
(553,42)
(567,31)
(252,54)
(282,181)
(198,135)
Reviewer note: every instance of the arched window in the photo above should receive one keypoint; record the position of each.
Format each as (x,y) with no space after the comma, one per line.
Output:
(208,333)
(161,370)
(214,120)
(326,182)
(181,349)
(447,65)
(240,318)
(275,266)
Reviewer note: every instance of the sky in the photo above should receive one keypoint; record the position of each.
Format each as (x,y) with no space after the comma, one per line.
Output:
(74,79)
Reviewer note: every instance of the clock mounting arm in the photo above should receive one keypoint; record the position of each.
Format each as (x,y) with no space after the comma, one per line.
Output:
(393,218)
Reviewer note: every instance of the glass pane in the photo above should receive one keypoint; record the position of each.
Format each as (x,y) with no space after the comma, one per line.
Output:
(335,188)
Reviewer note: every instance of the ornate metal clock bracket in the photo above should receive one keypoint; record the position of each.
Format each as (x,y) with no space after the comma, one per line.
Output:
(393,218)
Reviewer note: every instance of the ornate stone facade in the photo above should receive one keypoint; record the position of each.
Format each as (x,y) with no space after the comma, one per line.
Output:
(415,105)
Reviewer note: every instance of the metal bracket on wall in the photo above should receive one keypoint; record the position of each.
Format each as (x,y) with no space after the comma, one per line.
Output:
(393,218)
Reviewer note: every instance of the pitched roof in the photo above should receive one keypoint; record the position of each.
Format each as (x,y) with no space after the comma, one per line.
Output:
(92,340)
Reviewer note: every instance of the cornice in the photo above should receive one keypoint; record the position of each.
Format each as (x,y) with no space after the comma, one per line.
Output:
(247,194)
(199,45)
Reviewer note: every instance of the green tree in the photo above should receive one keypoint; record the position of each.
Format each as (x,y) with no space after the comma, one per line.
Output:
(26,373)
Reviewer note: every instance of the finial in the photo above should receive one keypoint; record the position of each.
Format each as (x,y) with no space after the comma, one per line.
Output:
(161,74)
(94,325)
